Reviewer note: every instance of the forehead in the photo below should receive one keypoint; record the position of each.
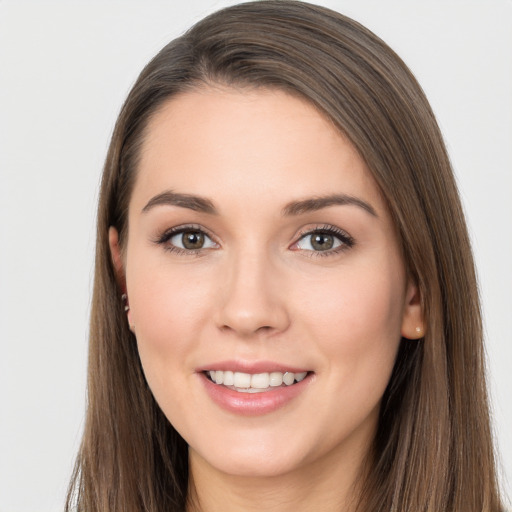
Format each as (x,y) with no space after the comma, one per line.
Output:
(232,144)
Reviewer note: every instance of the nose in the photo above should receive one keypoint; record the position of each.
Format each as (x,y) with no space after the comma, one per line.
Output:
(252,298)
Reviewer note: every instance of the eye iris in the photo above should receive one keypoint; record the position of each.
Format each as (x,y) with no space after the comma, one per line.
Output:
(192,240)
(322,241)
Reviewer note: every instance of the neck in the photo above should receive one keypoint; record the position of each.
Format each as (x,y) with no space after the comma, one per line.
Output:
(326,485)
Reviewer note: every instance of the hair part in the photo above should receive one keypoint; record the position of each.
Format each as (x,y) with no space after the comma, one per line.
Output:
(433,449)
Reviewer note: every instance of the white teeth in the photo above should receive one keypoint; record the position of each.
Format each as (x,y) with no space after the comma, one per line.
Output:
(288,378)
(229,379)
(276,379)
(298,376)
(242,380)
(254,383)
(260,380)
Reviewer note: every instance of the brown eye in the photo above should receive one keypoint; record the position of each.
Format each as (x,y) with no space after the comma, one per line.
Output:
(328,240)
(187,239)
(322,241)
(192,239)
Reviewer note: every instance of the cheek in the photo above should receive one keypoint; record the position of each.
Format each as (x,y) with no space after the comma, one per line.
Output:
(358,301)
(357,322)
(163,296)
(169,309)
(356,327)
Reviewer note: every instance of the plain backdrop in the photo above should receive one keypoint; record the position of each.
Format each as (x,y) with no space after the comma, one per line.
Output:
(65,68)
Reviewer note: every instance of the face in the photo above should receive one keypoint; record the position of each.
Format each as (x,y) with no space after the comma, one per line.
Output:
(266,286)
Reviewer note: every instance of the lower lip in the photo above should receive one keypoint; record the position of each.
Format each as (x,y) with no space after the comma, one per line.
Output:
(253,404)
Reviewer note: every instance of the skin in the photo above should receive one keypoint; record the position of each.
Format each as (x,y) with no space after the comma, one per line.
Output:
(258,290)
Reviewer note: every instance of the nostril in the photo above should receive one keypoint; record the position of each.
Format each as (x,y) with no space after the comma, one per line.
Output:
(250,302)
(247,331)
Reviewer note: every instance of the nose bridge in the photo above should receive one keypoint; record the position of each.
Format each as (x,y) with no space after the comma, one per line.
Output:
(252,300)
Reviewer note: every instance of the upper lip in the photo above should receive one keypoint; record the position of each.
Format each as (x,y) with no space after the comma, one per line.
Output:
(251,367)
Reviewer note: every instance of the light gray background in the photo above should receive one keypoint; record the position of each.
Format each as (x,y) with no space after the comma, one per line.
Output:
(65,68)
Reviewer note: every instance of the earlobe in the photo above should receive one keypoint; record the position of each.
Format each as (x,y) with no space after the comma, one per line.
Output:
(117,262)
(412,319)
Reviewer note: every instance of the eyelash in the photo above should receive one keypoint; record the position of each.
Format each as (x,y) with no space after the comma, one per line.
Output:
(346,240)
(164,238)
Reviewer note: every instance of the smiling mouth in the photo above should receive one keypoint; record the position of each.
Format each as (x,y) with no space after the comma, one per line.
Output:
(254,382)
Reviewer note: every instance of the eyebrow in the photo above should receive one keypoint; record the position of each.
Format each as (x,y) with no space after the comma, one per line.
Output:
(202,204)
(170,198)
(317,203)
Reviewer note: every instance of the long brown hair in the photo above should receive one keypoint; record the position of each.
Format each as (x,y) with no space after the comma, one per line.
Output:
(433,450)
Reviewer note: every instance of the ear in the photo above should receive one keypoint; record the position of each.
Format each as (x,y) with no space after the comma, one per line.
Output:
(413,327)
(117,261)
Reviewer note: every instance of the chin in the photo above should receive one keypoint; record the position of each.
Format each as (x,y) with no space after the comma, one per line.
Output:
(255,461)
(260,468)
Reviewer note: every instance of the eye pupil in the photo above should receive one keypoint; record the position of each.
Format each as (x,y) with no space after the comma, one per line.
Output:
(192,239)
(322,241)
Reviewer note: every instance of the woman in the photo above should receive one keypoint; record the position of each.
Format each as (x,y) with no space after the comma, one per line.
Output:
(285,310)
